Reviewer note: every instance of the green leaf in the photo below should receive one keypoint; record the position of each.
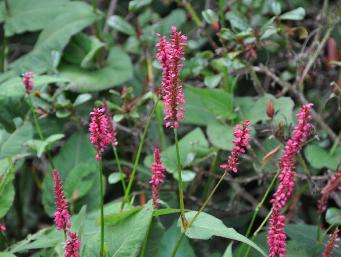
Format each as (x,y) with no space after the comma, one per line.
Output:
(156,232)
(333,216)
(294,15)
(204,105)
(6,193)
(319,157)
(212,80)
(6,254)
(295,250)
(54,38)
(221,136)
(228,251)
(169,240)
(255,109)
(237,21)
(82,98)
(76,151)
(166,211)
(206,226)
(118,23)
(118,70)
(12,144)
(32,15)
(115,218)
(128,235)
(135,5)
(210,16)
(176,18)
(115,177)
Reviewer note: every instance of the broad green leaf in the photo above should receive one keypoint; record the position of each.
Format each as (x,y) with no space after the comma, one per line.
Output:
(319,157)
(220,135)
(32,15)
(129,234)
(295,15)
(82,98)
(6,193)
(212,81)
(333,216)
(41,146)
(156,232)
(54,38)
(204,105)
(118,23)
(168,242)
(12,144)
(117,70)
(255,109)
(210,16)
(207,226)
(135,5)
(76,151)
(166,211)
(295,250)
(176,18)
(80,180)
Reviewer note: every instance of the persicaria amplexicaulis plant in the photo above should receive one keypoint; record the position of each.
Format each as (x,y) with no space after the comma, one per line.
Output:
(27,80)
(157,177)
(276,233)
(333,184)
(333,244)
(72,245)
(111,129)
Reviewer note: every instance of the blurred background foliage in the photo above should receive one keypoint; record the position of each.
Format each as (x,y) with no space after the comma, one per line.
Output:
(258,60)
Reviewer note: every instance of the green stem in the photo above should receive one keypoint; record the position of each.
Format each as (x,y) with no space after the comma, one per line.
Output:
(118,162)
(94,6)
(176,247)
(189,8)
(159,120)
(138,154)
(255,213)
(180,185)
(101,206)
(40,132)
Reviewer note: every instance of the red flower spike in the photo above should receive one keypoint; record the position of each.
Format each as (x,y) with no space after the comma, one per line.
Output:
(72,245)
(333,243)
(27,80)
(157,177)
(61,215)
(241,140)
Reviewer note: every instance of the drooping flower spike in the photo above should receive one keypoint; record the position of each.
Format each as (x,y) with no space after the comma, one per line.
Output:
(61,215)
(157,177)
(98,128)
(333,184)
(27,80)
(241,140)
(333,243)
(72,245)
(276,233)
(2,227)
(170,55)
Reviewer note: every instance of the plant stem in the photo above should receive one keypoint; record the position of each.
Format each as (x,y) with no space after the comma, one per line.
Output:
(189,8)
(118,162)
(138,154)
(255,213)
(94,6)
(40,132)
(180,185)
(101,206)
(210,180)
(176,247)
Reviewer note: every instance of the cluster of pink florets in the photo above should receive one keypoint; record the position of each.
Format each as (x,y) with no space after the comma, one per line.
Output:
(27,80)
(99,135)
(72,245)
(276,234)
(333,184)
(2,227)
(170,55)
(333,243)
(62,218)
(61,215)
(111,129)
(157,177)
(241,140)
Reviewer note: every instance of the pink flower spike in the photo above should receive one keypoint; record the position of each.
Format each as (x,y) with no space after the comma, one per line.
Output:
(157,177)
(241,141)
(333,243)
(3,227)
(333,184)
(276,233)
(98,128)
(61,215)
(170,55)
(111,129)
(27,80)
(72,245)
